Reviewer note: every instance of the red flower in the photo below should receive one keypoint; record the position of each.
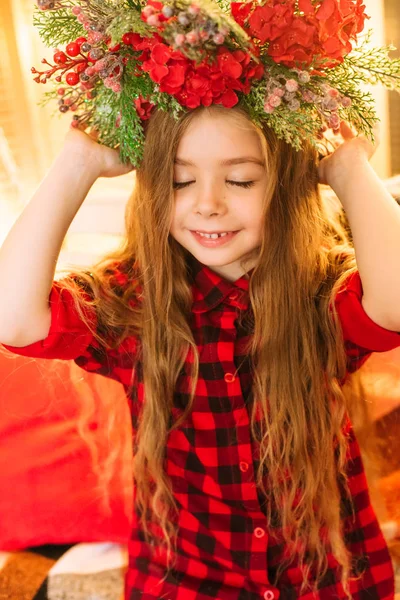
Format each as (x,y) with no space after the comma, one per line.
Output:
(144,108)
(240,11)
(321,36)
(201,84)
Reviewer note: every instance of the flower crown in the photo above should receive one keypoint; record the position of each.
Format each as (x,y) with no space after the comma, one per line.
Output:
(293,64)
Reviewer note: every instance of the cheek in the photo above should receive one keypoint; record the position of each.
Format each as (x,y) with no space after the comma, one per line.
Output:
(178,215)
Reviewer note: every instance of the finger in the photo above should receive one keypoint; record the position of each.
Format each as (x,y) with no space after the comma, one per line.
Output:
(94,133)
(346,131)
(377,133)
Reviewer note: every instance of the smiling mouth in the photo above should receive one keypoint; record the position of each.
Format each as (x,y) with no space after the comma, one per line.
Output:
(213,234)
(214,239)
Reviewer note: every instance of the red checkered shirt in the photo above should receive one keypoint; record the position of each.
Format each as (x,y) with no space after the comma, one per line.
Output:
(225,548)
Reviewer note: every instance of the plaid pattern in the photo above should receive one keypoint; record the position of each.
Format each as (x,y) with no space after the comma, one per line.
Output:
(225,548)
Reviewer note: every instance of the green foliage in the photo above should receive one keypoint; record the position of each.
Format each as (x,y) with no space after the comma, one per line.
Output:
(127,21)
(57,27)
(109,106)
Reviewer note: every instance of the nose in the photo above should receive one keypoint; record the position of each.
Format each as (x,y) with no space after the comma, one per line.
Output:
(210,200)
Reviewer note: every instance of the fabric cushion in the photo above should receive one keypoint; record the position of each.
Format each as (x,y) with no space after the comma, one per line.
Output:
(51,489)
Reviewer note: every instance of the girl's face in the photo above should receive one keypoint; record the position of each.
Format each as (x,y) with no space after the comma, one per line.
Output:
(220,186)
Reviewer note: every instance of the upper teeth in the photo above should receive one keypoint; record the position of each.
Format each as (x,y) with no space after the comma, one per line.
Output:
(213,236)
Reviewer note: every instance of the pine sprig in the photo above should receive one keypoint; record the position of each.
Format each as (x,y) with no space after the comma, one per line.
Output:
(295,127)
(57,27)
(372,65)
(127,21)
(167,103)
(128,136)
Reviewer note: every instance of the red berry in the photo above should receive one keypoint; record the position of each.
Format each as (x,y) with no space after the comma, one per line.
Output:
(80,67)
(58,79)
(90,58)
(60,58)
(115,48)
(127,39)
(61,91)
(80,41)
(73,49)
(72,78)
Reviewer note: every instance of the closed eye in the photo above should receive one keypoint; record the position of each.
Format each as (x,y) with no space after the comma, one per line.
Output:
(243,184)
(178,185)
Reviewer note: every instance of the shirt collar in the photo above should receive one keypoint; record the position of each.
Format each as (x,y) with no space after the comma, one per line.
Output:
(210,289)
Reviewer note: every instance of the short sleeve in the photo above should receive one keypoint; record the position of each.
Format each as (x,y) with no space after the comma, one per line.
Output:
(68,337)
(361,334)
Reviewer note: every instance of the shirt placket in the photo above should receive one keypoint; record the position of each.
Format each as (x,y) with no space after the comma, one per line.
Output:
(258,566)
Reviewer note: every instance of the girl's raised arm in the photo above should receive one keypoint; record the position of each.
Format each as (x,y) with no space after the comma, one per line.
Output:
(29,254)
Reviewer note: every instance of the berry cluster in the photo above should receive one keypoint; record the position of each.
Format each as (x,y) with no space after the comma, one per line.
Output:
(85,61)
(189,29)
(294,91)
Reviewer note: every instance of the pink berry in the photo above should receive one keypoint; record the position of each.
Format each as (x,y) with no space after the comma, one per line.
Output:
(148,11)
(179,39)
(278,92)
(193,9)
(192,37)
(333,93)
(334,121)
(100,65)
(153,21)
(274,101)
(61,91)
(218,39)
(90,71)
(204,35)
(95,37)
(76,10)
(346,102)
(268,108)
(292,85)
(116,87)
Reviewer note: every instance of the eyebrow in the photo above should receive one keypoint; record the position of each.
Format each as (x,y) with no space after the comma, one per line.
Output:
(225,163)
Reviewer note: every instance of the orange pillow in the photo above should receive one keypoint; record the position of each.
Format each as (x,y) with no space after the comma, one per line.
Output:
(51,490)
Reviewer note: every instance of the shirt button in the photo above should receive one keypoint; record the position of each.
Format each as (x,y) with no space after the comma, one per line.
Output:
(229,377)
(269,595)
(259,533)
(243,466)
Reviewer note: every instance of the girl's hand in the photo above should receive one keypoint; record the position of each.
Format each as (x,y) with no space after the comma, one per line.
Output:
(105,161)
(352,149)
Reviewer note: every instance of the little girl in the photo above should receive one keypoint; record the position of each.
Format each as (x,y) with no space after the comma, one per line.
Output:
(231,349)
(236,306)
